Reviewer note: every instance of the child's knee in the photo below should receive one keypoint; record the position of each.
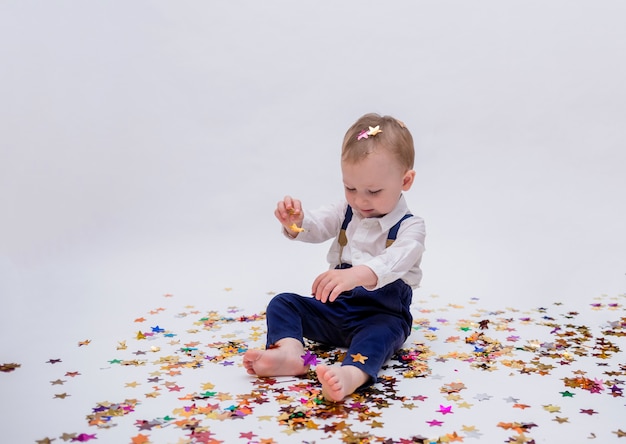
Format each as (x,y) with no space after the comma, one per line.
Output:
(281,301)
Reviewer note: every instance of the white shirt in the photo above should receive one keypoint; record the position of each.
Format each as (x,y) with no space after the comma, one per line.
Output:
(367,239)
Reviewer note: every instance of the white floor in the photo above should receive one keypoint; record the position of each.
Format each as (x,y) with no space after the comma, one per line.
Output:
(143,147)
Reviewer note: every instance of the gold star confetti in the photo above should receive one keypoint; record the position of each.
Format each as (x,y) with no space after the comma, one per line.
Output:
(293,227)
(450,336)
(359,358)
(375,130)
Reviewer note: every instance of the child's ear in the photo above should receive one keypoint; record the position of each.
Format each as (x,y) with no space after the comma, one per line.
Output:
(408,179)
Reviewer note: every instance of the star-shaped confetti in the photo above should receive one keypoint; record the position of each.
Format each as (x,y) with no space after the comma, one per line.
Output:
(84,437)
(374,130)
(507,342)
(309,358)
(359,358)
(9,367)
(445,409)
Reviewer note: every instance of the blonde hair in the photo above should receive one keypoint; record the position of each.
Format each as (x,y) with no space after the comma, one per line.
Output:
(394,137)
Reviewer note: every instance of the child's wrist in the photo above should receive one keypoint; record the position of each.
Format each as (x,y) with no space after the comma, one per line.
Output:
(291,234)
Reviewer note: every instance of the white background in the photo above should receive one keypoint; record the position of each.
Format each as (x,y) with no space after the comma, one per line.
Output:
(143,146)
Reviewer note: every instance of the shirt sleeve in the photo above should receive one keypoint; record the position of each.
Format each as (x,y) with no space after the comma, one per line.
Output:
(402,259)
(321,224)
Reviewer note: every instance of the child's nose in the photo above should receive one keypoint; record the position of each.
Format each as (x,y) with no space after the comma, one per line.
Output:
(361,201)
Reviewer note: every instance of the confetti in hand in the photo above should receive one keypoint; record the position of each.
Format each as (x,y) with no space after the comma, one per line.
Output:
(295,228)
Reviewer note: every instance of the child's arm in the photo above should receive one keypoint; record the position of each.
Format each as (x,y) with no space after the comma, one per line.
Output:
(401,260)
(330,284)
(289,213)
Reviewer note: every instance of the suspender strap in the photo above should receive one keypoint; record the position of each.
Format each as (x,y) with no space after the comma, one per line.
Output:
(393,233)
(343,239)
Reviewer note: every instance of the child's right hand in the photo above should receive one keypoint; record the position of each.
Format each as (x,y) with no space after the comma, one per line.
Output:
(289,212)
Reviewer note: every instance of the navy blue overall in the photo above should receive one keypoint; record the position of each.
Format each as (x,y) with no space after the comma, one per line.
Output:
(373,324)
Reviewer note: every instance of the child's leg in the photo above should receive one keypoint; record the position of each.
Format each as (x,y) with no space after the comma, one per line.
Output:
(374,342)
(381,322)
(289,318)
(283,359)
(340,381)
(293,316)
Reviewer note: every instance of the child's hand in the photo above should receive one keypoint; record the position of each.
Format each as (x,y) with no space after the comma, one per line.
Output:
(289,214)
(330,284)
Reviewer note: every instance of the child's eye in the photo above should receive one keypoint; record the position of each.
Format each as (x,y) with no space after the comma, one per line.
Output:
(350,190)
(374,192)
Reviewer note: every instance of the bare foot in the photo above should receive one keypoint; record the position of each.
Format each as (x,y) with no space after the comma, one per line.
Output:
(283,360)
(339,382)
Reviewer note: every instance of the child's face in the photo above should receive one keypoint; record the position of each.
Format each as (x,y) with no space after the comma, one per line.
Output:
(374,184)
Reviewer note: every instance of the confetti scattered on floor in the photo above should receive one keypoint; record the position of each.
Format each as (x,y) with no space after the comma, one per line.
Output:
(466,374)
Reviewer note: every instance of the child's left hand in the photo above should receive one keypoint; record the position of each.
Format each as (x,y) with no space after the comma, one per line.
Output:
(330,284)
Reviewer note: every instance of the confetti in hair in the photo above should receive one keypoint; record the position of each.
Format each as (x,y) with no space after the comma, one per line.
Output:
(372,131)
